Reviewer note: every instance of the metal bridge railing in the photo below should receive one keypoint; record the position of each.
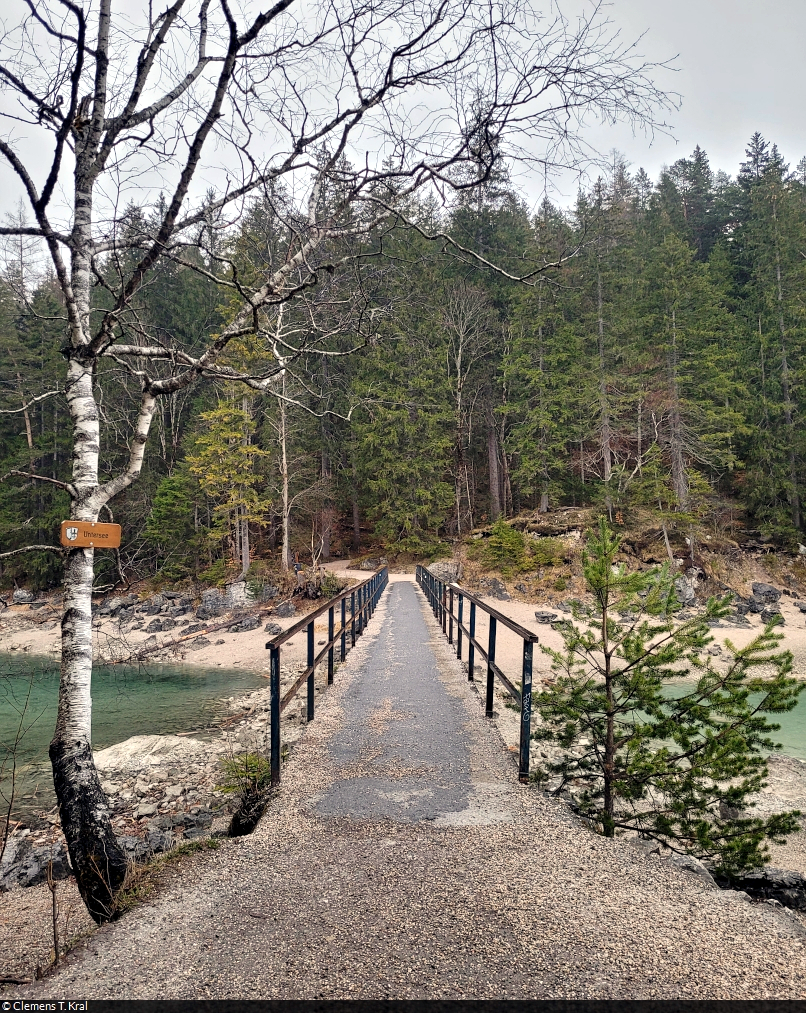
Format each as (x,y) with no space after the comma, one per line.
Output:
(442,597)
(363,599)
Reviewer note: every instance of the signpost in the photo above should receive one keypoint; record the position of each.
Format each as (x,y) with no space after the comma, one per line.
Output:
(90,535)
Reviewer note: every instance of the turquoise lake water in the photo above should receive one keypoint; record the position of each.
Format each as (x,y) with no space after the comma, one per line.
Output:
(792,735)
(126,700)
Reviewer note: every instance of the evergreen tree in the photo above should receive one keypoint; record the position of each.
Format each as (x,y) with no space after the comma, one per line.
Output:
(675,768)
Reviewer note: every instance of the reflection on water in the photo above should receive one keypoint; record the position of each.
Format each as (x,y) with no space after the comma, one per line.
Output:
(126,700)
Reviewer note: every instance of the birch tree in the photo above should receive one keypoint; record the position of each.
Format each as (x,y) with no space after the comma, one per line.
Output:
(135,101)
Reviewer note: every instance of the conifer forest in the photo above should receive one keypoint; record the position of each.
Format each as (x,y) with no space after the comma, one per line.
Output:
(652,361)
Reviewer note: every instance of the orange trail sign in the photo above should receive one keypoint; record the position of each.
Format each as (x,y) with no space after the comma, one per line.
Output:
(90,535)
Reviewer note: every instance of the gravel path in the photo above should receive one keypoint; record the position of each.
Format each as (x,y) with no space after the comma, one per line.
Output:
(402,860)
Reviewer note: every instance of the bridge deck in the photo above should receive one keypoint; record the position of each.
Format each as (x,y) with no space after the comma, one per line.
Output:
(402,860)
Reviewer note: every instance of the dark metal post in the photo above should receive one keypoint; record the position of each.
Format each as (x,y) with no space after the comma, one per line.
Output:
(471,647)
(490,672)
(274,715)
(444,600)
(343,628)
(352,619)
(526,713)
(331,624)
(450,615)
(360,610)
(459,628)
(310,665)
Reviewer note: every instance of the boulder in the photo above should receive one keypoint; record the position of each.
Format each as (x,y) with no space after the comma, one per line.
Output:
(772,613)
(447,570)
(155,626)
(546,617)
(285,610)
(274,629)
(22,597)
(26,864)
(766,593)
(111,607)
(171,595)
(374,563)
(198,644)
(788,888)
(204,612)
(694,865)
(684,591)
(246,624)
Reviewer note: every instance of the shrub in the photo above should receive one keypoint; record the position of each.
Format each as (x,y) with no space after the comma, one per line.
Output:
(504,550)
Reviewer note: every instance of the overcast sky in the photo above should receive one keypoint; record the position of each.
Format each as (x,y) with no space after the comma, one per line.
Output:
(742,68)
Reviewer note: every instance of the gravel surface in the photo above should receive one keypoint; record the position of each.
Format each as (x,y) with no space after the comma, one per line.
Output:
(461,884)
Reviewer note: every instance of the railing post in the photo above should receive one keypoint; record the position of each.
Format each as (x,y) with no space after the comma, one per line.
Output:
(471,647)
(343,628)
(526,713)
(310,676)
(360,611)
(444,600)
(331,624)
(459,628)
(274,715)
(352,619)
(490,672)
(450,616)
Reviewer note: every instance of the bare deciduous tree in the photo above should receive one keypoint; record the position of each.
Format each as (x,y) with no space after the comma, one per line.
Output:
(369,101)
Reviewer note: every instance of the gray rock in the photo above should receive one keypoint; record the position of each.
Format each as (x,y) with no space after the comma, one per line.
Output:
(447,570)
(155,626)
(193,628)
(273,628)
(684,591)
(150,642)
(766,593)
(26,864)
(198,644)
(171,595)
(168,624)
(268,591)
(246,624)
(545,617)
(22,597)
(694,865)
(204,612)
(788,888)
(158,601)
(285,610)
(146,809)
(374,563)
(771,613)
(493,587)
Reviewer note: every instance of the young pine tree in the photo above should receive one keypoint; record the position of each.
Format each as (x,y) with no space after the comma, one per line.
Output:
(676,769)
